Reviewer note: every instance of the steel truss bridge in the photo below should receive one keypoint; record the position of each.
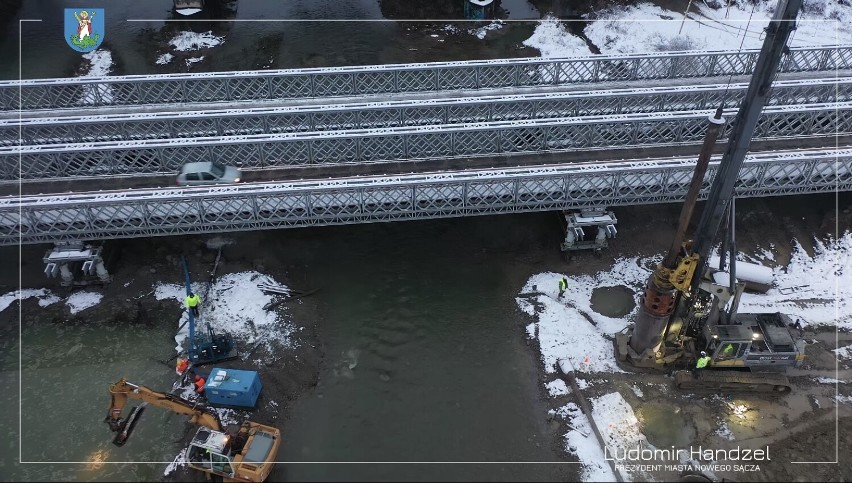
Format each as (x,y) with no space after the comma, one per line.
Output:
(408,143)
(401,78)
(146,213)
(321,116)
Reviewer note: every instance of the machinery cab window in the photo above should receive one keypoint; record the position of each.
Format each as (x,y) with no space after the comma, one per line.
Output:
(730,350)
(200,457)
(222,464)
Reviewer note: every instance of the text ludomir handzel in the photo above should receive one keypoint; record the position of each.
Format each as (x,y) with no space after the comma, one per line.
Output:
(622,455)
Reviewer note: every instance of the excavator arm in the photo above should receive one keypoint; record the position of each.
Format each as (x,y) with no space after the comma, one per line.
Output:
(123,390)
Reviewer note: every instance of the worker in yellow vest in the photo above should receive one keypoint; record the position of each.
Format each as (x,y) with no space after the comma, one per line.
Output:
(192,302)
(700,364)
(563,285)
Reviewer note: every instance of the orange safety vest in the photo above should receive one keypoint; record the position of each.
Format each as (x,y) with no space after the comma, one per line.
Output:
(182,364)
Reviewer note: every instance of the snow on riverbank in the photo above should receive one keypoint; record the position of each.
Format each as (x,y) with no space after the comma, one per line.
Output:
(45,297)
(818,289)
(187,41)
(235,304)
(76,302)
(619,429)
(99,65)
(649,28)
(79,301)
(815,289)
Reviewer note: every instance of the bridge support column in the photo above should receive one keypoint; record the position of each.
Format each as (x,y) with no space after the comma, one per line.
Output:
(101,270)
(67,258)
(66,274)
(599,218)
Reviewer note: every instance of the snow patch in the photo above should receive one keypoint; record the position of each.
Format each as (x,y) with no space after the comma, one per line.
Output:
(637,391)
(557,387)
(185,41)
(100,64)
(193,60)
(482,31)
(164,59)
(618,424)
(552,39)
(646,27)
(45,297)
(844,352)
(827,380)
(817,289)
(80,301)
(581,442)
(179,461)
(235,304)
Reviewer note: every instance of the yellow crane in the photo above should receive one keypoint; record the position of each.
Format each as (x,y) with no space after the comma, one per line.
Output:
(247,455)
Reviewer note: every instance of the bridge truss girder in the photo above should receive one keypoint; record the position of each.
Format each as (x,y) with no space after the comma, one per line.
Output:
(399,78)
(145,213)
(377,115)
(407,143)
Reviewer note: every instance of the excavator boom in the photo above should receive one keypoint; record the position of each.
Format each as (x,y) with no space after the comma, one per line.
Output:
(247,455)
(123,390)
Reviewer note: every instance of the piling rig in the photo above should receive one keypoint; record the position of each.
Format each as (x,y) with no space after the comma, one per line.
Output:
(687,307)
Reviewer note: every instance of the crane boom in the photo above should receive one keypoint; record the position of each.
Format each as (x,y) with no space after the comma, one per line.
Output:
(739,141)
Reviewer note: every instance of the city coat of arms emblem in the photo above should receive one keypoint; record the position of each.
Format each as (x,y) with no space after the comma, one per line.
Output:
(84,28)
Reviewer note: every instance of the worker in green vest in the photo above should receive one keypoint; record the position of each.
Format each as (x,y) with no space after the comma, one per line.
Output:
(192,302)
(563,285)
(700,364)
(728,351)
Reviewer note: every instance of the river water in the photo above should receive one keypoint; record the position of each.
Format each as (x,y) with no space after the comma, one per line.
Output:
(257,34)
(425,358)
(425,362)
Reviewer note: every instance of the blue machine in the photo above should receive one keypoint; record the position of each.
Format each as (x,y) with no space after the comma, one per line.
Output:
(206,348)
(232,388)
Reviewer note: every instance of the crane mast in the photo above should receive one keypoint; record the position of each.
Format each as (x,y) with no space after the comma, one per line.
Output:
(685,265)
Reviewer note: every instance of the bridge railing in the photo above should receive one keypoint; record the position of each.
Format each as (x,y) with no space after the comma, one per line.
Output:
(371,115)
(336,148)
(398,78)
(145,213)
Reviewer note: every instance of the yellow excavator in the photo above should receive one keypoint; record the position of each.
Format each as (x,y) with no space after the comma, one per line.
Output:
(247,455)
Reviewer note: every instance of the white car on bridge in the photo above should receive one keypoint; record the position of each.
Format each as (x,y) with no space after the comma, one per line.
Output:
(206,173)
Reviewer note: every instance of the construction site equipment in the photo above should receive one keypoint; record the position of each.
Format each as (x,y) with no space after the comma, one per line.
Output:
(232,388)
(67,257)
(601,221)
(687,307)
(206,347)
(245,455)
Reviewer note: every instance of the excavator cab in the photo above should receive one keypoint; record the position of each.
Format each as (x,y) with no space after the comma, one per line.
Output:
(762,342)
(209,451)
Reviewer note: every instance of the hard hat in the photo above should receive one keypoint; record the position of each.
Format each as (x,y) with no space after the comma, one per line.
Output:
(703,353)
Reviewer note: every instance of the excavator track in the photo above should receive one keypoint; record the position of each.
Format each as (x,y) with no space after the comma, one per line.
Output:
(714,380)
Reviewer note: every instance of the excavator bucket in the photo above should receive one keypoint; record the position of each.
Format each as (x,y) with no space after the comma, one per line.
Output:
(125,428)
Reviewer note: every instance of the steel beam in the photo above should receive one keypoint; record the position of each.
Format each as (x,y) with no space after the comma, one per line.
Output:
(77,128)
(163,156)
(253,86)
(145,213)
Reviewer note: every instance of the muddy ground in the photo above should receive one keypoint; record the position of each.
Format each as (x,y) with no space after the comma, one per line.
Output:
(798,427)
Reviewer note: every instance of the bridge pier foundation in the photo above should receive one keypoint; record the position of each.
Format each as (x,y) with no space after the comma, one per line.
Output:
(594,220)
(66,258)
